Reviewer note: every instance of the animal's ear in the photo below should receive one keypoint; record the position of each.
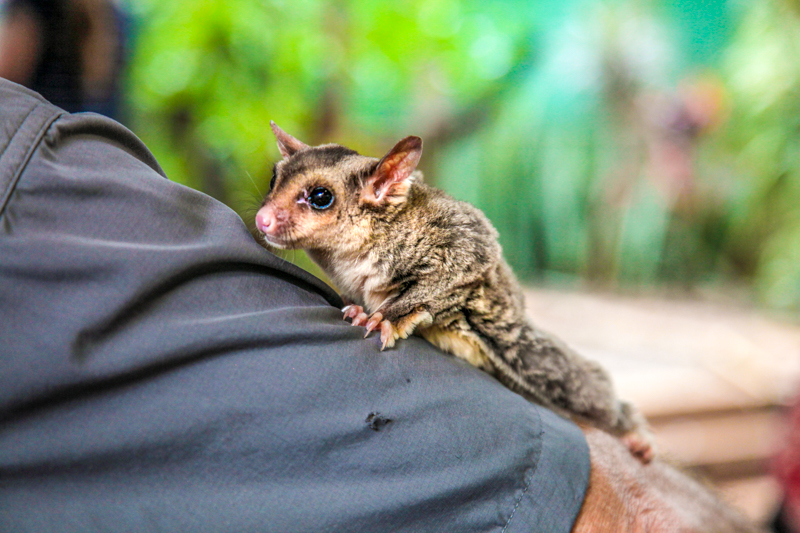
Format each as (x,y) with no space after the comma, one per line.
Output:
(394,175)
(287,144)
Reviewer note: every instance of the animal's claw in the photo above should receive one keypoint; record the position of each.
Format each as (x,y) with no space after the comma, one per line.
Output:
(388,335)
(352,311)
(360,319)
(373,322)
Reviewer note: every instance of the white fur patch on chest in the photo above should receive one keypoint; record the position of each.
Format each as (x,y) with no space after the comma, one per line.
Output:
(362,279)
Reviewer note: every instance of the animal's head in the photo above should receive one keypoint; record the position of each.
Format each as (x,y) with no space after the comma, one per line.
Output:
(326,196)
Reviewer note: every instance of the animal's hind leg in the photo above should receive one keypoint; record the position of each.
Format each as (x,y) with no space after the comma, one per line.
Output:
(636,433)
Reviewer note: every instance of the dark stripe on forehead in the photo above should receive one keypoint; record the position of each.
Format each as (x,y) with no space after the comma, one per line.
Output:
(317,157)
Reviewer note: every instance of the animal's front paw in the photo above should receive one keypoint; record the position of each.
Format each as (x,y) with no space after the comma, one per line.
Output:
(356,312)
(389,333)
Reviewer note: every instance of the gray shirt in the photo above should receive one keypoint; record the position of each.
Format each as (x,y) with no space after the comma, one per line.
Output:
(160,371)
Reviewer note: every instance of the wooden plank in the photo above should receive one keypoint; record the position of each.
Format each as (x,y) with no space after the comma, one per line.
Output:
(731,437)
(672,356)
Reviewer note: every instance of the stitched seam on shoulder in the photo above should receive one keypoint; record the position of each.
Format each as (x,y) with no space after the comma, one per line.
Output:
(21,122)
(528,483)
(12,183)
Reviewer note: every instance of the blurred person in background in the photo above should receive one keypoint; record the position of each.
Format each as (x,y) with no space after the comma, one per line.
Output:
(69,51)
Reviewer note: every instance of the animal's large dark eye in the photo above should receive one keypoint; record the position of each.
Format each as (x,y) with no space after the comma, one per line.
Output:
(320,198)
(274,175)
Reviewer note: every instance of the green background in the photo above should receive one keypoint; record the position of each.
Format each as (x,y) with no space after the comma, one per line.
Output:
(614,144)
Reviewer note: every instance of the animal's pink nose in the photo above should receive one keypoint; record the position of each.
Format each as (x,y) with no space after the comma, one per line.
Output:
(266,220)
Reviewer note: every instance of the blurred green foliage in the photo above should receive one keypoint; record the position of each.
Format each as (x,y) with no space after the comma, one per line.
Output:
(762,145)
(622,143)
(208,76)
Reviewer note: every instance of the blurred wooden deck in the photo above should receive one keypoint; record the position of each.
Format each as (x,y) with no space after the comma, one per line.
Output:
(711,378)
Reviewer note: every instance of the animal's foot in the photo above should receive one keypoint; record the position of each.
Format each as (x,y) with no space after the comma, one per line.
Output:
(640,445)
(389,333)
(635,432)
(356,313)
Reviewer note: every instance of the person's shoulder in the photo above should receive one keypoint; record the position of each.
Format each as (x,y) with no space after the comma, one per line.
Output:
(26,116)
(19,100)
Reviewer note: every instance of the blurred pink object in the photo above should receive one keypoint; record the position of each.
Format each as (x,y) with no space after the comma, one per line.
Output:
(786,468)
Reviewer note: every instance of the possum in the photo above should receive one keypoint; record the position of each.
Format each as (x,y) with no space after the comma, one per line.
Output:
(411,259)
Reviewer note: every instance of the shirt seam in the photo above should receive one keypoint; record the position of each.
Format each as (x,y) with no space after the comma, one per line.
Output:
(37,139)
(530,477)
